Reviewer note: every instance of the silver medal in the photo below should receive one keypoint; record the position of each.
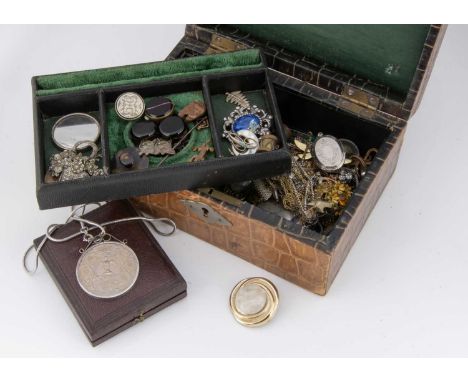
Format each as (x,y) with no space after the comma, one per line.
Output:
(107,269)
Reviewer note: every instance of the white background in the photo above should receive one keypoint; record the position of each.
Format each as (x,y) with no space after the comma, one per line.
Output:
(401,292)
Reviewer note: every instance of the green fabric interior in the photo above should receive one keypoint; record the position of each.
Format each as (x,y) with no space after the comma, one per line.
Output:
(141,73)
(119,132)
(221,109)
(49,146)
(385,54)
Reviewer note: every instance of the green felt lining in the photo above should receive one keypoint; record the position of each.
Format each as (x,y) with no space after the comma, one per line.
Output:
(120,135)
(138,74)
(385,54)
(142,73)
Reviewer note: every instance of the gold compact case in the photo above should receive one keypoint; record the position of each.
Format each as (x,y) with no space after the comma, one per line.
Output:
(254,301)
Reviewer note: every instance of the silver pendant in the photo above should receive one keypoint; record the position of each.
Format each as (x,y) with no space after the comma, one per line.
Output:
(328,153)
(107,269)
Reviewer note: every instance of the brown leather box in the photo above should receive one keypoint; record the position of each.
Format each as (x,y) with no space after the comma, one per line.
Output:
(361,82)
(159,284)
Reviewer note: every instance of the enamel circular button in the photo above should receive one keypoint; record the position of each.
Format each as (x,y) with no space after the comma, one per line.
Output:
(144,130)
(172,127)
(254,301)
(159,108)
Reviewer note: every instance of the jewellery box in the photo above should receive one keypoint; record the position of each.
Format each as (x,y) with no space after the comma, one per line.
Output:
(359,82)
(94,92)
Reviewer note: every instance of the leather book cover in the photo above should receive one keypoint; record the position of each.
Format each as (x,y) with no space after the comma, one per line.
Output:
(158,285)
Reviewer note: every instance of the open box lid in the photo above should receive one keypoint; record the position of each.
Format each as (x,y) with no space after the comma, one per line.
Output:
(380,67)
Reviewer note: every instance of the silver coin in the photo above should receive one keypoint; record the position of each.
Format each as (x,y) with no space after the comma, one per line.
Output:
(328,153)
(130,106)
(107,269)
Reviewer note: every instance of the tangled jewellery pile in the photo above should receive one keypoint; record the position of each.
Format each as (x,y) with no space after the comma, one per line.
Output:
(324,173)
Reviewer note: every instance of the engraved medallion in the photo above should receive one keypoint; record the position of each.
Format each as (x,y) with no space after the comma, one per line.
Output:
(107,269)
(130,106)
(328,153)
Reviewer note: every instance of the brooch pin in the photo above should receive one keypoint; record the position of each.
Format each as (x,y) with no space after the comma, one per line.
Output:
(71,164)
(246,125)
(156,147)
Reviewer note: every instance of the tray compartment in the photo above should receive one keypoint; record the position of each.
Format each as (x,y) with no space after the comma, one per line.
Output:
(181,92)
(50,108)
(257,88)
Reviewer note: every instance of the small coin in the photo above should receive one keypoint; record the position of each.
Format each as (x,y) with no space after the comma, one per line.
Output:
(328,153)
(254,301)
(107,269)
(130,106)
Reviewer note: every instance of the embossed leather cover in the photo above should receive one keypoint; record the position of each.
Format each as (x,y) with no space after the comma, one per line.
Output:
(159,284)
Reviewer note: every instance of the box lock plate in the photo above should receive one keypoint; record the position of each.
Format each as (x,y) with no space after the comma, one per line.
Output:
(206,213)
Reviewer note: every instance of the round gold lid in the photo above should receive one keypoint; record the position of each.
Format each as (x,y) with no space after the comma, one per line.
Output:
(254,301)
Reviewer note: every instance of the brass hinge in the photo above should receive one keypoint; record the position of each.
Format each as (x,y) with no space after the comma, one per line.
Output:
(359,101)
(222,44)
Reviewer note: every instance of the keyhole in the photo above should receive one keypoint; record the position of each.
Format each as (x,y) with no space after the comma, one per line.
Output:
(205,212)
